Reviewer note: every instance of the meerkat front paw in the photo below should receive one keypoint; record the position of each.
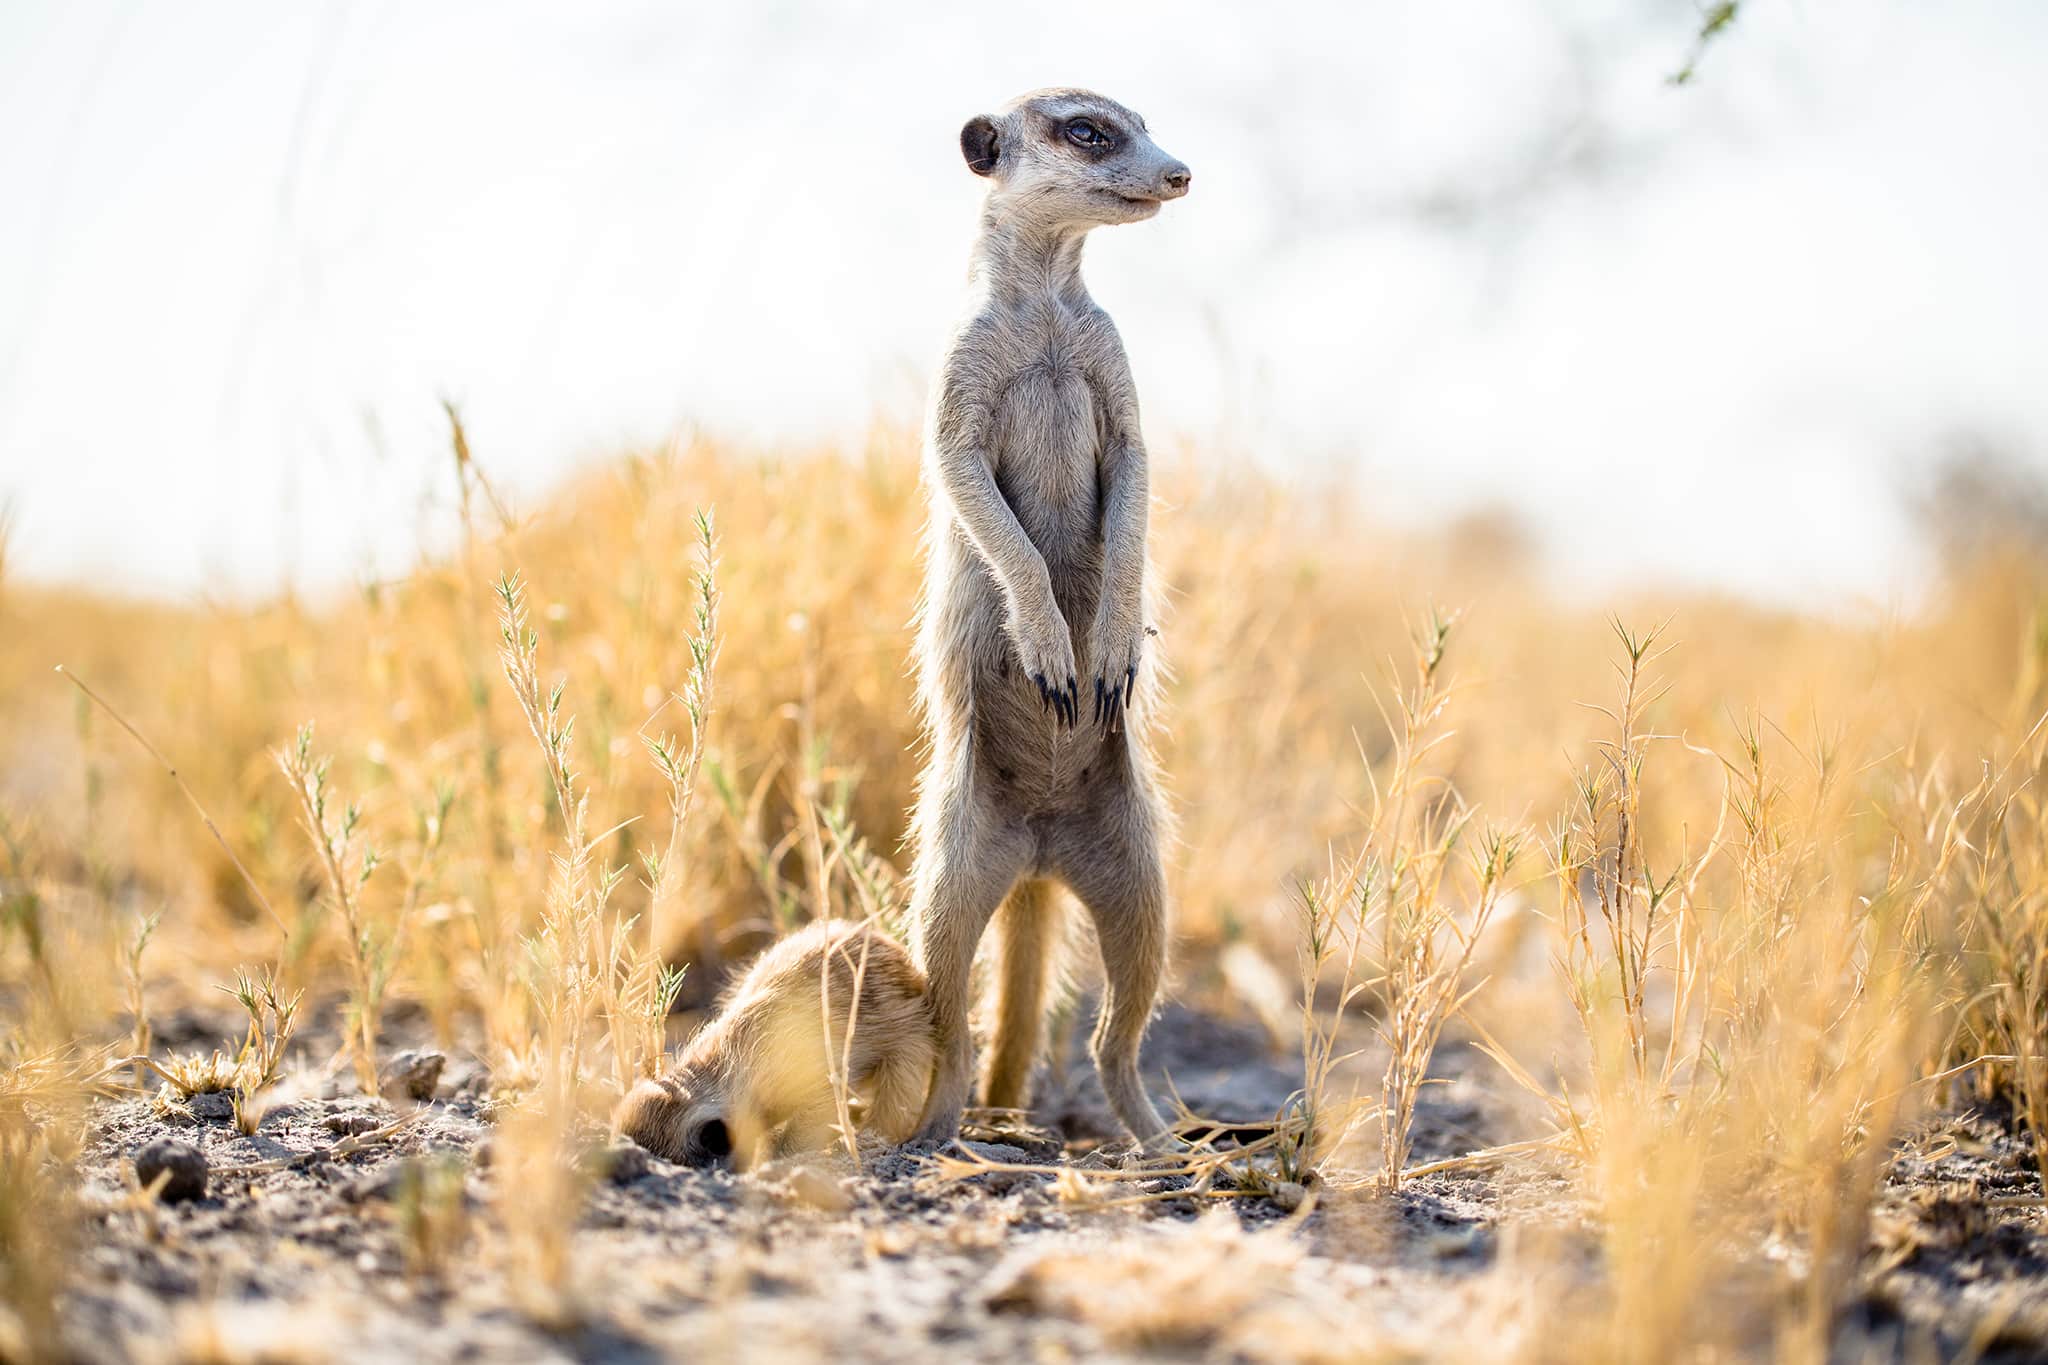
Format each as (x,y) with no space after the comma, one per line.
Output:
(1114,651)
(1046,649)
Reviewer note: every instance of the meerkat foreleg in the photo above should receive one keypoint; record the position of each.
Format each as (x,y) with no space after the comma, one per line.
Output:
(1031,614)
(1117,636)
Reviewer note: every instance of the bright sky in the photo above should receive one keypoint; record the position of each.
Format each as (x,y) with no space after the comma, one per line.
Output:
(1453,254)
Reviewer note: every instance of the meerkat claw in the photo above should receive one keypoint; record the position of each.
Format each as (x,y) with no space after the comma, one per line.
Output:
(1109,700)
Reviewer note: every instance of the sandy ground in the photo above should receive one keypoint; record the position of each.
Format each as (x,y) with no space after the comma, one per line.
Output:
(315,1254)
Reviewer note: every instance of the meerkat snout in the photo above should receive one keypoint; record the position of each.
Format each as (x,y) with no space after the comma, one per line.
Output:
(708,1142)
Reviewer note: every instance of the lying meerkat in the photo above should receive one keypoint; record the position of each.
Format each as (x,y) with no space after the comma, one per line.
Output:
(1034,614)
(755,1080)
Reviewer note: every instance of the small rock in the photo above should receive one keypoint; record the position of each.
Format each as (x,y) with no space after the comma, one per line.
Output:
(379,1185)
(183,1165)
(212,1104)
(1289,1196)
(813,1188)
(1002,1182)
(348,1123)
(471,1078)
(1454,1242)
(412,1074)
(624,1162)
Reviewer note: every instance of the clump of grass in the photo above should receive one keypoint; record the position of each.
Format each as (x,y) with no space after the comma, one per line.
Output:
(1998,931)
(22,918)
(1385,922)
(43,1094)
(245,1074)
(37,1237)
(590,968)
(588,977)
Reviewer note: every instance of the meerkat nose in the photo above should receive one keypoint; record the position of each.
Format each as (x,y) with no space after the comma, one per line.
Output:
(1174,179)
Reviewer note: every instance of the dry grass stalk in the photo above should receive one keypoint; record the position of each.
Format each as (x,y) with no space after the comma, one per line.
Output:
(839,1061)
(185,789)
(680,763)
(139,1033)
(346,865)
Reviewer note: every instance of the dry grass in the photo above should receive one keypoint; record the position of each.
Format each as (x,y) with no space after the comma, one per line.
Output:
(1794,886)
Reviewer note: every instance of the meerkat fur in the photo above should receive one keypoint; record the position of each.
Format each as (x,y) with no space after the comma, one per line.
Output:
(1034,686)
(757,1080)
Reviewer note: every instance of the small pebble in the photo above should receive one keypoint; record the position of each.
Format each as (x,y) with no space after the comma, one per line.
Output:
(382,1183)
(813,1188)
(212,1104)
(412,1074)
(348,1123)
(625,1162)
(184,1163)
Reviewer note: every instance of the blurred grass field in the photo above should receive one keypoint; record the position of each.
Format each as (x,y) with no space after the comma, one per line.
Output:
(1768,901)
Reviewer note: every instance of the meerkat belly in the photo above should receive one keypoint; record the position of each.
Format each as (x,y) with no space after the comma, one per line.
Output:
(1047,442)
(1047,456)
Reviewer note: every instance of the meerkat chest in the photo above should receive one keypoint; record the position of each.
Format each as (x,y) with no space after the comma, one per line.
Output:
(1048,434)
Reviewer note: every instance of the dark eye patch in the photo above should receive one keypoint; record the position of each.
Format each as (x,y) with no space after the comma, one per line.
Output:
(1090,134)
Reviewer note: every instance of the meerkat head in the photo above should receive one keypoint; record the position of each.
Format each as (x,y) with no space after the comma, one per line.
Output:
(1071,158)
(677,1121)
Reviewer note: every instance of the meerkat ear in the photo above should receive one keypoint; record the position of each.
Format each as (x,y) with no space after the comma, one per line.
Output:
(978,145)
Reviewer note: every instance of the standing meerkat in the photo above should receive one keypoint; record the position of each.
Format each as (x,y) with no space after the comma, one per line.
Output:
(1032,681)
(757,1079)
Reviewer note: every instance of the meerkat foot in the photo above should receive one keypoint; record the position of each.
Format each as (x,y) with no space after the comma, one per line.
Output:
(1167,1143)
(937,1133)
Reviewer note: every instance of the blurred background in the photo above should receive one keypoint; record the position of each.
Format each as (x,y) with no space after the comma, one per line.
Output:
(1711,313)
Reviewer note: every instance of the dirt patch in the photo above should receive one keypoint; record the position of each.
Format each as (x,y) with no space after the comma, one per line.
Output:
(353,1227)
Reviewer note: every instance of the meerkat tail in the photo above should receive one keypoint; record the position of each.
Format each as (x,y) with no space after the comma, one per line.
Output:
(1030,939)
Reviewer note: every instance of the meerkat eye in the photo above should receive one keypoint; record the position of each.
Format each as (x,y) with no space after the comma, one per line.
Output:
(1082,133)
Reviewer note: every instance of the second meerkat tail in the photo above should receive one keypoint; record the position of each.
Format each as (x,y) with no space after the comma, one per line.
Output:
(1030,941)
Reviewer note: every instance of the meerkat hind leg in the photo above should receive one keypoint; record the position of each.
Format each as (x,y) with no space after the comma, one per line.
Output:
(962,878)
(1123,886)
(1027,932)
